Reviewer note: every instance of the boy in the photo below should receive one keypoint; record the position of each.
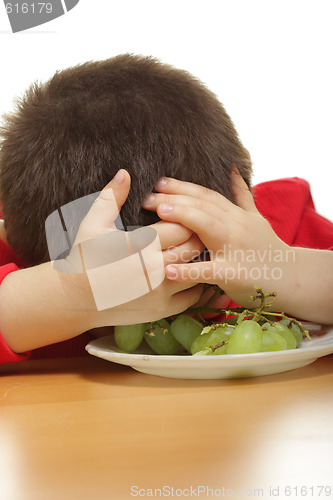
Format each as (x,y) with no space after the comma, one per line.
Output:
(70,136)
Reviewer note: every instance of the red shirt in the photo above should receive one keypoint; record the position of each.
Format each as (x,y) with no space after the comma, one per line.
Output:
(285,203)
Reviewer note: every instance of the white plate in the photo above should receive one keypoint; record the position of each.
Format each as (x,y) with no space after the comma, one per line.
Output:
(217,367)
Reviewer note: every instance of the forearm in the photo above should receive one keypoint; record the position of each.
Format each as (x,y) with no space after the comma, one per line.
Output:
(39,306)
(307,286)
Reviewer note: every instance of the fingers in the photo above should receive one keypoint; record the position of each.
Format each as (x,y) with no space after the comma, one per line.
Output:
(221,301)
(186,298)
(117,188)
(210,230)
(192,273)
(243,195)
(105,209)
(155,199)
(168,185)
(173,287)
(107,206)
(185,252)
(171,234)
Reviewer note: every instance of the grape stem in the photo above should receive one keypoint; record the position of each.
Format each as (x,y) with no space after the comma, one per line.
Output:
(263,298)
(219,344)
(151,332)
(256,313)
(217,291)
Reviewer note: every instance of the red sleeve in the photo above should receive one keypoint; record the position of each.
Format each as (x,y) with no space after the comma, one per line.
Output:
(287,205)
(71,347)
(6,355)
(68,348)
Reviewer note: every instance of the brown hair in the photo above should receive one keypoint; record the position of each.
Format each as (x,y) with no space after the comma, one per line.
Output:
(68,137)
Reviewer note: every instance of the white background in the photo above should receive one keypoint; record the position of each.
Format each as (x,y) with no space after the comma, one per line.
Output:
(269,62)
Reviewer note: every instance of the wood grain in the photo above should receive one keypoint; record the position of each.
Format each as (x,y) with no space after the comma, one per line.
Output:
(83,428)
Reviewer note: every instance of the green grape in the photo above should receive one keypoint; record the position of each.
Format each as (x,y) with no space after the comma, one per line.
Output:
(199,343)
(211,338)
(162,343)
(295,329)
(185,329)
(220,350)
(272,341)
(129,337)
(221,334)
(282,330)
(205,352)
(246,338)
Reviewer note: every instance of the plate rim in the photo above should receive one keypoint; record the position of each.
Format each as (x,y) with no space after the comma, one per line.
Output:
(93,347)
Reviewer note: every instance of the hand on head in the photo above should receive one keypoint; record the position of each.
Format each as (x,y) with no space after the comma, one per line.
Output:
(236,236)
(176,244)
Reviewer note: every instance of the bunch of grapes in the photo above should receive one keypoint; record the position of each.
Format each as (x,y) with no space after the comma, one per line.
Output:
(243,331)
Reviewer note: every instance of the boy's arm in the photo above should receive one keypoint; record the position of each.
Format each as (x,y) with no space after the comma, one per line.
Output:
(245,252)
(41,306)
(37,310)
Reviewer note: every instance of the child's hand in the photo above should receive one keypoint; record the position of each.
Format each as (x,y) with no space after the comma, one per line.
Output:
(244,250)
(106,208)
(41,306)
(177,244)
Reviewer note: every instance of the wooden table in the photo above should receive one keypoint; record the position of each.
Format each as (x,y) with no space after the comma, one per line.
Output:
(84,428)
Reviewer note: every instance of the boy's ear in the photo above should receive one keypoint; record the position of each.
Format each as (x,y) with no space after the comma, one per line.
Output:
(242,192)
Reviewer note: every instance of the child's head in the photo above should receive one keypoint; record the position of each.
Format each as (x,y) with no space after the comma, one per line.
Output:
(69,136)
